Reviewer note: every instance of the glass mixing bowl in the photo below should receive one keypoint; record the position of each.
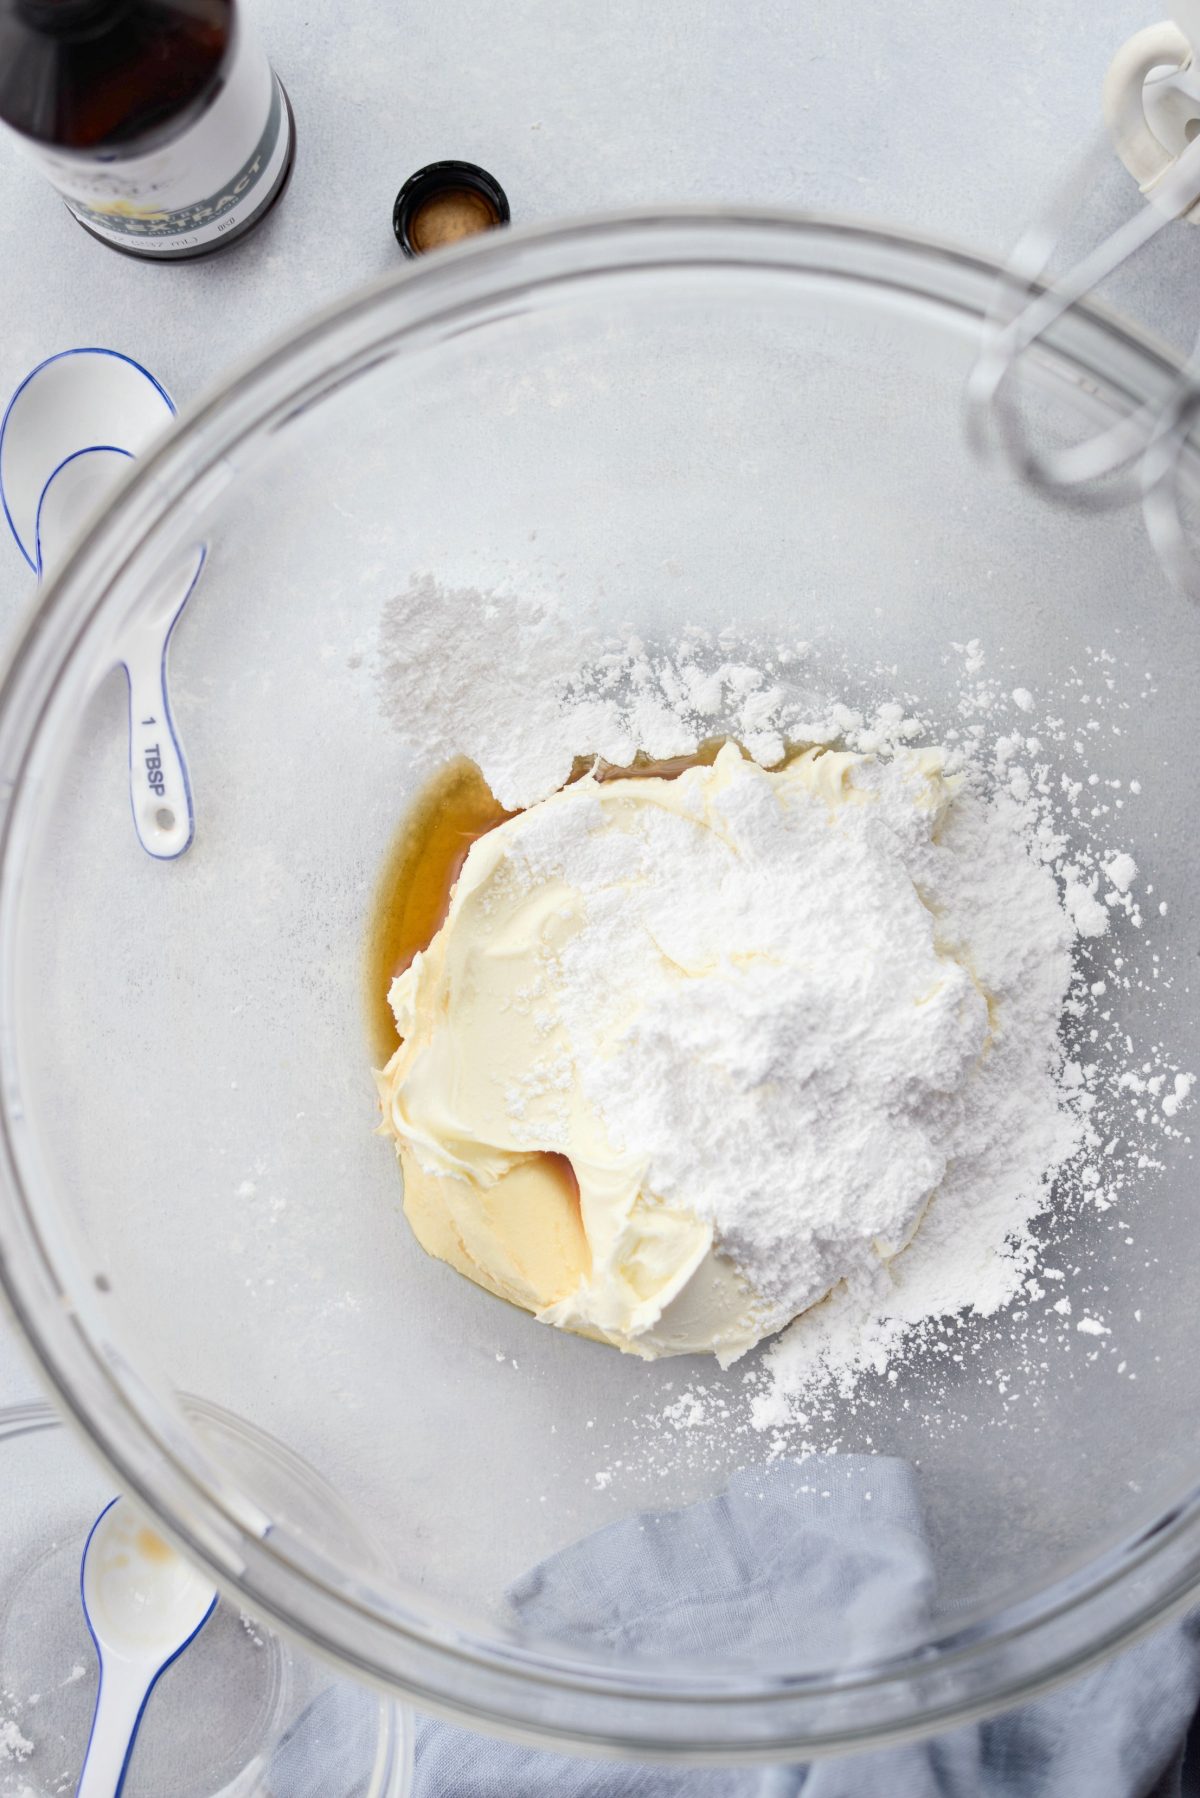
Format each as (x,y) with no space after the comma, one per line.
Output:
(671,420)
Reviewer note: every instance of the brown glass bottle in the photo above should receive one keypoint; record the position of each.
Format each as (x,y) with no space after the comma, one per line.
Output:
(160,121)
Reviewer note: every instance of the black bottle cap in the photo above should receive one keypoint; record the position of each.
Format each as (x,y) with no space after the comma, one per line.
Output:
(444,203)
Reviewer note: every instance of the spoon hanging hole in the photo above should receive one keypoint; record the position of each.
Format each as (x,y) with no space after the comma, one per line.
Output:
(164,817)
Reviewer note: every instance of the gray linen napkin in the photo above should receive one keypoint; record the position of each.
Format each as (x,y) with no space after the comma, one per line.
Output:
(802,1561)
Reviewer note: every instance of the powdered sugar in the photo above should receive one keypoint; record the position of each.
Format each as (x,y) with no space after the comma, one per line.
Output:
(1017,1127)
(531,692)
(512,683)
(1116,1103)
(14,1746)
(806,1015)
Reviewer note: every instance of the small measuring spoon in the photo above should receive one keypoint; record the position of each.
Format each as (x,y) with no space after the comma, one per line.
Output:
(69,433)
(143,1604)
(72,401)
(159,790)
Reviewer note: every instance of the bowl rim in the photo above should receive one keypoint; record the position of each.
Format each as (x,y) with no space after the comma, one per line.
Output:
(138,1429)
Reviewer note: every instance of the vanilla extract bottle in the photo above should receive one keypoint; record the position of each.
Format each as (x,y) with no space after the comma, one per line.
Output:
(160,122)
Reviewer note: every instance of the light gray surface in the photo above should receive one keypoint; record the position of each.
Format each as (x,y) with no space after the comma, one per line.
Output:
(954,121)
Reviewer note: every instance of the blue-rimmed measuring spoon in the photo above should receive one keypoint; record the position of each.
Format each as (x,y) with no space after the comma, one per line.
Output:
(144,1604)
(68,434)
(159,790)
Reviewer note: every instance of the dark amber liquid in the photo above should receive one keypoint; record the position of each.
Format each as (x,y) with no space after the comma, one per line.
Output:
(110,75)
(454,810)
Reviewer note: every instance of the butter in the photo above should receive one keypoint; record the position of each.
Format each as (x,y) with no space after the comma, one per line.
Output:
(510,1176)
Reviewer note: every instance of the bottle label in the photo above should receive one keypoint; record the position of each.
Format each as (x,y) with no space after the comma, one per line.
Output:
(200,186)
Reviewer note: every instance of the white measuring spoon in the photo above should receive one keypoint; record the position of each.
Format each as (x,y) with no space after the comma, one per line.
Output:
(144,1604)
(69,432)
(72,401)
(159,790)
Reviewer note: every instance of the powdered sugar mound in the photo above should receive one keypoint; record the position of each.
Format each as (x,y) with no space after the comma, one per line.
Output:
(999,908)
(461,672)
(1114,1111)
(762,1011)
(525,690)
(803,1020)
